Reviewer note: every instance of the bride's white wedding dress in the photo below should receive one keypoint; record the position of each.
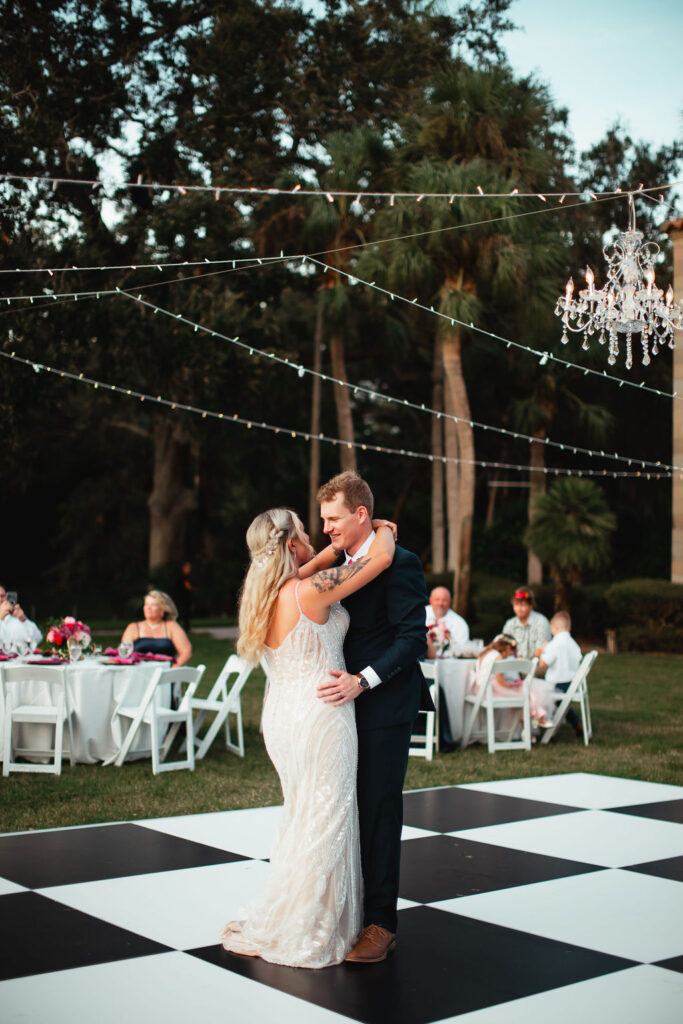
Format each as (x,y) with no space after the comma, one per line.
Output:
(309,914)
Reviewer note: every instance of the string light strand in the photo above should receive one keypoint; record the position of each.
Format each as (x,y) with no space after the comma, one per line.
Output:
(335,441)
(376,395)
(300,190)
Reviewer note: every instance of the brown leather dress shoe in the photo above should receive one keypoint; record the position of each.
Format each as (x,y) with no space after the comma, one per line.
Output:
(374,944)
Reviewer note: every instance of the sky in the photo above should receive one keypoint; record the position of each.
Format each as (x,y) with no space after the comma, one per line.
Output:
(605,60)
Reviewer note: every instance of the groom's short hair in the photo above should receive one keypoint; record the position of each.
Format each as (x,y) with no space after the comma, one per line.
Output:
(354,488)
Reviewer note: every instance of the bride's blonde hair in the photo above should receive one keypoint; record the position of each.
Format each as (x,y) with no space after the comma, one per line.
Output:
(272,564)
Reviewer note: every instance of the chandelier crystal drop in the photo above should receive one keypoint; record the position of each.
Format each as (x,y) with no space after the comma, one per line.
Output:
(629,303)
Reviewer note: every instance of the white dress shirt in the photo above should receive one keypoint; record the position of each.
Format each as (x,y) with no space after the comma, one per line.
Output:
(458,629)
(562,655)
(14,631)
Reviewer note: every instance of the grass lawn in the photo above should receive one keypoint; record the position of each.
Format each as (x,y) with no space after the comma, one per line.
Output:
(637,723)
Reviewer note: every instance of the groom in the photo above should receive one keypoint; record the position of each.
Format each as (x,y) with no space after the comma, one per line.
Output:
(385,639)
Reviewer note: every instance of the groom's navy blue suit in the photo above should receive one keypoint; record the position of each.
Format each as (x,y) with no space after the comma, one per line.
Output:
(388,633)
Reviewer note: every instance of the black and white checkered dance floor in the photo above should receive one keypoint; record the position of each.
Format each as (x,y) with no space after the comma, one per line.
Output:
(557,898)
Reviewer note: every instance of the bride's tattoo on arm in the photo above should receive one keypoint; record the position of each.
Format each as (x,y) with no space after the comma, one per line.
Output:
(328,579)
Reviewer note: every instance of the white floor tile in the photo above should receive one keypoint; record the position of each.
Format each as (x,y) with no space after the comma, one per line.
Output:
(410,832)
(248,832)
(406,904)
(580,789)
(593,837)
(173,988)
(7,887)
(183,909)
(623,913)
(640,995)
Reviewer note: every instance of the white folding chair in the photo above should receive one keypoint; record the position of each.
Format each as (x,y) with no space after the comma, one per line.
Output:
(424,744)
(489,702)
(150,712)
(577,692)
(224,703)
(51,708)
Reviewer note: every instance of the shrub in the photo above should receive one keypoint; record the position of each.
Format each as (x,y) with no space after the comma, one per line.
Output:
(646,614)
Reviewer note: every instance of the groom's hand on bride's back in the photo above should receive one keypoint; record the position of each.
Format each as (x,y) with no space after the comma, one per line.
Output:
(340,689)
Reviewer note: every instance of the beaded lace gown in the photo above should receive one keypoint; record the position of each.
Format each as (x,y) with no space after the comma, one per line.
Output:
(309,914)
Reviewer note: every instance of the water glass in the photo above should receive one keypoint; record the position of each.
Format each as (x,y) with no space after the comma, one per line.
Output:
(125,649)
(75,650)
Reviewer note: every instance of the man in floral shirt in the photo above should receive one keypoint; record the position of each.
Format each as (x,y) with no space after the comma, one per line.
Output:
(529,628)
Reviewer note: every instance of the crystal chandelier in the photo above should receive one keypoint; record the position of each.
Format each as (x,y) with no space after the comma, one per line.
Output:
(628,304)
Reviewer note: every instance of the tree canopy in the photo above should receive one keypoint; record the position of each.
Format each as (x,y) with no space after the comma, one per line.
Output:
(109,491)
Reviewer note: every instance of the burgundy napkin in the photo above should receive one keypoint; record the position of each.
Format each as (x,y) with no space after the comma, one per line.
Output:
(6,657)
(46,661)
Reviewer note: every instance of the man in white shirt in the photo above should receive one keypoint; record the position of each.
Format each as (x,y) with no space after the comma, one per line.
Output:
(15,628)
(560,658)
(439,610)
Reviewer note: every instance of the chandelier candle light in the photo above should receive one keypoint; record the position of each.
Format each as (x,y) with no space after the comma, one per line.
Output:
(628,304)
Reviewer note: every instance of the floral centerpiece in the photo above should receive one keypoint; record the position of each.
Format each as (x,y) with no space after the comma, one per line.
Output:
(67,630)
(441,638)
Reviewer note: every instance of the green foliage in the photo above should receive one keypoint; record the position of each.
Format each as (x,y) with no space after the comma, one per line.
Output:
(647,614)
(264,92)
(571,528)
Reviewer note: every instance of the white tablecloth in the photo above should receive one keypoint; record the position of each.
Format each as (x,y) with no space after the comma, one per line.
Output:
(94,691)
(452,678)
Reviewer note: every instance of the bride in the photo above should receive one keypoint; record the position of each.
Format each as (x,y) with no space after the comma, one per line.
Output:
(310,912)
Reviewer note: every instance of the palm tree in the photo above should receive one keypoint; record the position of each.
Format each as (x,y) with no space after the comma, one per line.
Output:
(534,415)
(478,129)
(571,530)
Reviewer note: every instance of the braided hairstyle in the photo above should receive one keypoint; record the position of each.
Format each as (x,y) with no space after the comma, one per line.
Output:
(272,564)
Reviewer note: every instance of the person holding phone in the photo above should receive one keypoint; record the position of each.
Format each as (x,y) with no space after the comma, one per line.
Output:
(15,629)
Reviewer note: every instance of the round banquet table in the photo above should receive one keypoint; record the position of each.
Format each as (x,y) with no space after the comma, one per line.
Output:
(95,689)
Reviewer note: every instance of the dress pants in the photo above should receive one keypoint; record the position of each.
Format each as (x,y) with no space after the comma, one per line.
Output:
(382,764)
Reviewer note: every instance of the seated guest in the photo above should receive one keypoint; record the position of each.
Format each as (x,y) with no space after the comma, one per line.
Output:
(529,628)
(560,658)
(507,684)
(15,629)
(159,633)
(439,611)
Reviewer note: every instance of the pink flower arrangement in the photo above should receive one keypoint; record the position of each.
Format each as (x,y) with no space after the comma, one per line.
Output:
(69,628)
(441,638)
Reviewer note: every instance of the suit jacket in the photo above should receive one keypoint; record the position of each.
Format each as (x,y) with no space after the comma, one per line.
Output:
(388,632)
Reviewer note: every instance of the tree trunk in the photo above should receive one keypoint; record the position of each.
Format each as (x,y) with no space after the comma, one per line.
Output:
(452,450)
(171,500)
(460,518)
(491,504)
(537,481)
(438,525)
(342,401)
(314,470)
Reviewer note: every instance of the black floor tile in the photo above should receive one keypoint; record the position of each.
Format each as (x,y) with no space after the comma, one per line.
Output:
(38,935)
(443,867)
(667,810)
(65,857)
(674,964)
(671,868)
(445,965)
(451,809)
